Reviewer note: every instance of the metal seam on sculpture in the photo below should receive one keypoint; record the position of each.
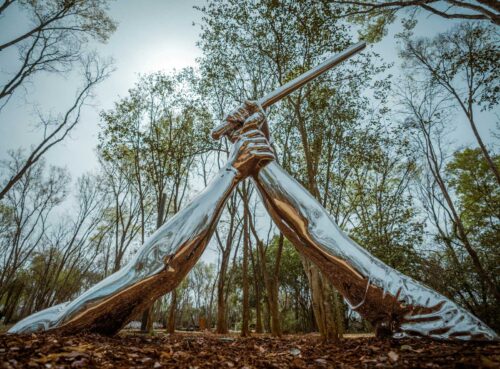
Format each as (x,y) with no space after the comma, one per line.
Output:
(233,170)
(364,296)
(285,197)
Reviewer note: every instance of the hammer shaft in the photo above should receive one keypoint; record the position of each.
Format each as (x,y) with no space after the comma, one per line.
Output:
(295,84)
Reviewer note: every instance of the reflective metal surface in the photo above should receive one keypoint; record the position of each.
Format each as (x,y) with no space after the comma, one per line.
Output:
(282,91)
(394,303)
(162,262)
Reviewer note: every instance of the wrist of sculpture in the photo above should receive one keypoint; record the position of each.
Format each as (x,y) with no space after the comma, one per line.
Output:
(229,168)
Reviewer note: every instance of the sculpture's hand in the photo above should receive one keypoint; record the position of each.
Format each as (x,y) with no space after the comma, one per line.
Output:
(249,111)
(251,151)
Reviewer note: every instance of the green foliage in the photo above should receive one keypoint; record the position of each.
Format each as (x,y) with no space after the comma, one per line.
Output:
(295,302)
(374,24)
(478,196)
(155,133)
(477,190)
(450,269)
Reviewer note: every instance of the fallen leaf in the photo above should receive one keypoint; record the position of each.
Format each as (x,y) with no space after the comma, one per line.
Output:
(487,363)
(180,355)
(298,363)
(82,363)
(393,356)
(260,348)
(165,355)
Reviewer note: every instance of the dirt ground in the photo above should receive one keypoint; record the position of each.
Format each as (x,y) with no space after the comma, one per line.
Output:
(192,350)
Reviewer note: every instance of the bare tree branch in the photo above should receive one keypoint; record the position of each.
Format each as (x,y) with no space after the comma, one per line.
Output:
(55,40)
(479,12)
(5,5)
(94,73)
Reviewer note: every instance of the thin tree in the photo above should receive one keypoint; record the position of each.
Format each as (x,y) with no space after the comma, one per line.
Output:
(56,129)
(426,111)
(464,62)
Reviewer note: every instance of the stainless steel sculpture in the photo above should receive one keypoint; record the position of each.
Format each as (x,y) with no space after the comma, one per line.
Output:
(162,262)
(391,301)
(394,303)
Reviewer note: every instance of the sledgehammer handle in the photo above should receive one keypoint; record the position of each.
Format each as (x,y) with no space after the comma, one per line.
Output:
(295,84)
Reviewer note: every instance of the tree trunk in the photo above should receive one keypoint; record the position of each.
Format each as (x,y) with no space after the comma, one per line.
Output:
(326,310)
(210,307)
(258,295)
(172,312)
(258,311)
(245,331)
(271,282)
(221,303)
(147,319)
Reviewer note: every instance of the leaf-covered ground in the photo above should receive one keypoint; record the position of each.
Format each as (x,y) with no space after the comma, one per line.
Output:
(211,351)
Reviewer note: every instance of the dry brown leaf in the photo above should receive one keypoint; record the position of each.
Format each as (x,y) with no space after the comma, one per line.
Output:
(298,363)
(393,356)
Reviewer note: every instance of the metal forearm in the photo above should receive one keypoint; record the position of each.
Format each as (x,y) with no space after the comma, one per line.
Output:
(388,299)
(157,268)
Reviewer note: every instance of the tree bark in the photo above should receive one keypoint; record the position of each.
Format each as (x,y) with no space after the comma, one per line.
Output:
(258,295)
(271,282)
(245,331)
(172,312)
(221,302)
(147,318)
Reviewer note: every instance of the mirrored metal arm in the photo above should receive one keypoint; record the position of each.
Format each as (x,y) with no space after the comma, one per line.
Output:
(392,302)
(157,268)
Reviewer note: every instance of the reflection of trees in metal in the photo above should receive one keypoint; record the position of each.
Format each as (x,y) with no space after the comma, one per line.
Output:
(394,303)
(391,301)
(161,263)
